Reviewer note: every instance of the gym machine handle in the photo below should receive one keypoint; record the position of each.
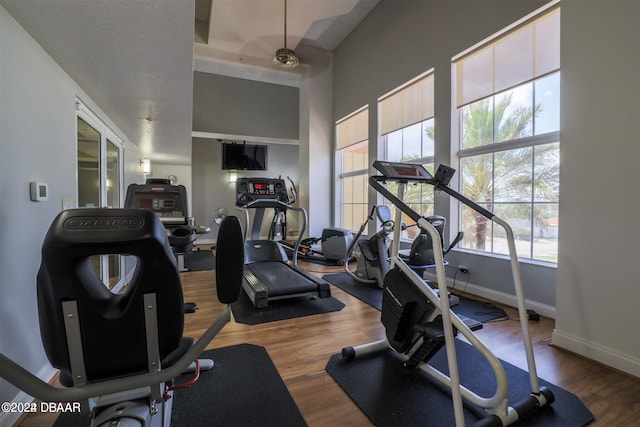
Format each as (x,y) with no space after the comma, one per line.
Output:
(375,180)
(277,204)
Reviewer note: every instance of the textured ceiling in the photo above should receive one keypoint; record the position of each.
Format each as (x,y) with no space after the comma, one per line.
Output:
(135,59)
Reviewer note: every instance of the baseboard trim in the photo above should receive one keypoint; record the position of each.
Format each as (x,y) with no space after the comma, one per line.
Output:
(501,297)
(590,350)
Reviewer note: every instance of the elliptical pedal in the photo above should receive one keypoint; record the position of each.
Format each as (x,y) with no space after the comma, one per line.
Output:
(432,335)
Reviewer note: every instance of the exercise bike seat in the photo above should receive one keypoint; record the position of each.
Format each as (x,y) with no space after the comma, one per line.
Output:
(111,338)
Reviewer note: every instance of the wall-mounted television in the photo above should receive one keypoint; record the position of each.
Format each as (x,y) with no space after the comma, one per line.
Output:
(244,156)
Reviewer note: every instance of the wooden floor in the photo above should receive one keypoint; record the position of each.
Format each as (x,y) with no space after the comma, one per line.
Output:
(300,349)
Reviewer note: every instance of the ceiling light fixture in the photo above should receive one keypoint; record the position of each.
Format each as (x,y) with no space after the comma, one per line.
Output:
(285,57)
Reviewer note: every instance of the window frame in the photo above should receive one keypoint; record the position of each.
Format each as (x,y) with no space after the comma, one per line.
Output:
(341,175)
(531,141)
(425,84)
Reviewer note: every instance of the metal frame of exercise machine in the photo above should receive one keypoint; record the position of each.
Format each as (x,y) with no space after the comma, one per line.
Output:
(372,272)
(501,412)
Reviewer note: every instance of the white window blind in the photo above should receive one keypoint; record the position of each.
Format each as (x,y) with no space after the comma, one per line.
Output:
(527,51)
(352,129)
(407,105)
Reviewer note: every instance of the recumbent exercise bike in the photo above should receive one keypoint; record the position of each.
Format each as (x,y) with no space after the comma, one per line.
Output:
(119,354)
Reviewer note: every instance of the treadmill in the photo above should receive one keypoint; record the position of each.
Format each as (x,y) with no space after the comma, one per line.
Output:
(268,273)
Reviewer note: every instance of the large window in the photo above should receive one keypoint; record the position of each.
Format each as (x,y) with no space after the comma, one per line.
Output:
(407,127)
(508,102)
(353,161)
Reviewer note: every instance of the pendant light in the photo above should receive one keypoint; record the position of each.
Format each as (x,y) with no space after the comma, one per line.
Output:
(285,57)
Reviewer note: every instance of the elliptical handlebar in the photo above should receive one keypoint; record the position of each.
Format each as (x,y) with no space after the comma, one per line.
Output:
(387,228)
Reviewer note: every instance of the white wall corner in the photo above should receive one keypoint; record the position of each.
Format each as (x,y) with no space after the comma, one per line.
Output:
(607,356)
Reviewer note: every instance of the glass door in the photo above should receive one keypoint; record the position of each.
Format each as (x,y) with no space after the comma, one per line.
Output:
(100,182)
(113,190)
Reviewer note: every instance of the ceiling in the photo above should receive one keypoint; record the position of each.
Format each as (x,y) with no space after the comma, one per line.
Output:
(135,59)
(238,38)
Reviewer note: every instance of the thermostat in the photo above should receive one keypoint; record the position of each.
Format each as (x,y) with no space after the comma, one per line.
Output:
(39,191)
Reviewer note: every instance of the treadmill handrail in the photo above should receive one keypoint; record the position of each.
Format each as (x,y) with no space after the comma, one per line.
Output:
(276,204)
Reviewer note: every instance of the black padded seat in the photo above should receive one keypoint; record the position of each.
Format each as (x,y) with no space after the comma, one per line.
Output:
(112,327)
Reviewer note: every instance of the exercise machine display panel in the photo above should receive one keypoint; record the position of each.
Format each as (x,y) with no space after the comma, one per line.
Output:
(402,171)
(165,200)
(250,190)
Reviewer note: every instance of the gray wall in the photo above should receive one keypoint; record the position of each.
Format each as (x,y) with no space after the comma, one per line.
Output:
(594,293)
(598,289)
(234,106)
(231,106)
(398,41)
(212,189)
(316,135)
(38,142)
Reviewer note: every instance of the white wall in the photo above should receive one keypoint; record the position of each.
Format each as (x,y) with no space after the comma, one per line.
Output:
(38,142)
(598,291)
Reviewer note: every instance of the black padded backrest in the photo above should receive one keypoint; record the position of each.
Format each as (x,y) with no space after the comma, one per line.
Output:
(422,246)
(112,326)
(229,260)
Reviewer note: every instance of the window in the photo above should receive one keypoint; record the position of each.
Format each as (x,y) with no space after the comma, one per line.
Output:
(508,103)
(352,143)
(407,127)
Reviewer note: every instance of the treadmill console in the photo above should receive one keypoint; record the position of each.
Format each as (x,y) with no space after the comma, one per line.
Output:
(249,190)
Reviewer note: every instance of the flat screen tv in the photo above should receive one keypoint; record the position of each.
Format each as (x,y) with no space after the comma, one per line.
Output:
(244,156)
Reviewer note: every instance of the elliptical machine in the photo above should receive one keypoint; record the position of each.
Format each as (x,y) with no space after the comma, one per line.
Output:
(373,262)
(330,248)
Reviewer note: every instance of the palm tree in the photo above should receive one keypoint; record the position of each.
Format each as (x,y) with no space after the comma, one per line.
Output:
(504,176)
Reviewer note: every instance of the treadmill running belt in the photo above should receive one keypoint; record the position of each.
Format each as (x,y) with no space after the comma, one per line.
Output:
(281,279)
